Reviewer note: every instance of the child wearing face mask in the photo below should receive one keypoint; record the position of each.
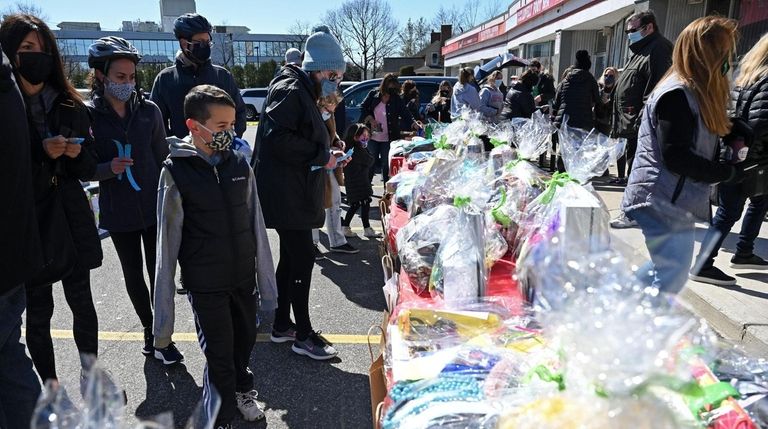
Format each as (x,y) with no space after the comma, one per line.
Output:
(356,173)
(210,220)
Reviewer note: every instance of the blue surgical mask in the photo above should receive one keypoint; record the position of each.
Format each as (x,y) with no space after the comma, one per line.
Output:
(121,91)
(499,82)
(635,37)
(328,87)
(326,115)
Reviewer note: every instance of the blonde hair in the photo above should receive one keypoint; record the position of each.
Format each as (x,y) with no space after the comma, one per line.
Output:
(697,59)
(754,65)
(601,79)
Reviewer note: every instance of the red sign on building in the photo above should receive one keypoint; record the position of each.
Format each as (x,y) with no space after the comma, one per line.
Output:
(535,8)
(481,36)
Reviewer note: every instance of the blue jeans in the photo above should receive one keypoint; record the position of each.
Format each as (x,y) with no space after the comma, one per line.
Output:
(670,242)
(19,387)
(380,153)
(730,207)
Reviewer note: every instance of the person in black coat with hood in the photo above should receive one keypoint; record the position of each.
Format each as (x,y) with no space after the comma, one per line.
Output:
(20,255)
(577,95)
(62,155)
(519,102)
(292,150)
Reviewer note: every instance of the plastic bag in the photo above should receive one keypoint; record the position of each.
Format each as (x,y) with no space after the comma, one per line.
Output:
(460,271)
(532,136)
(419,240)
(587,154)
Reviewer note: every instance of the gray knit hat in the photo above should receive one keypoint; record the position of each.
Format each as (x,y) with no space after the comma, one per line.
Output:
(322,51)
(292,56)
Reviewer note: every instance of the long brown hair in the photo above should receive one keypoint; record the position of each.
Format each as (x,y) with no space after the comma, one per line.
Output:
(388,79)
(699,54)
(465,75)
(15,28)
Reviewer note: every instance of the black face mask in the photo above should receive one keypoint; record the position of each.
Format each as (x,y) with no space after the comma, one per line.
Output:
(199,53)
(393,91)
(35,67)
(444,93)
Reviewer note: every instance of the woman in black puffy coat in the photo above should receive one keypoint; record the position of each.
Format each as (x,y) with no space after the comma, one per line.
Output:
(750,103)
(576,95)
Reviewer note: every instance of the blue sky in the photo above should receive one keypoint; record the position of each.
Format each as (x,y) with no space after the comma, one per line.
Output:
(261,16)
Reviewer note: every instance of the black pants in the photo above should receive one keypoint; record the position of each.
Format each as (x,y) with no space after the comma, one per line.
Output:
(20,387)
(625,162)
(364,207)
(128,247)
(77,291)
(294,277)
(226,331)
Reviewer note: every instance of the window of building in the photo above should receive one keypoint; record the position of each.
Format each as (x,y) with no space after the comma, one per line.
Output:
(435,58)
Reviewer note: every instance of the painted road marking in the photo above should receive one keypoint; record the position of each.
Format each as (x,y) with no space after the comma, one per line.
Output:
(179,337)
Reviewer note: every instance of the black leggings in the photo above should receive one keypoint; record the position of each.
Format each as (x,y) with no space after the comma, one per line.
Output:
(294,277)
(365,207)
(77,291)
(128,247)
(625,162)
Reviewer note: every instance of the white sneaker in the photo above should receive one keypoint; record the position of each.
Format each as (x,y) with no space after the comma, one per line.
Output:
(246,403)
(348,232)
(623,222)
(370,233)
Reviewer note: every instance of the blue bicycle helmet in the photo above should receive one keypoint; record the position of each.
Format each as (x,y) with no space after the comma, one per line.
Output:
(189,24)
(110,48)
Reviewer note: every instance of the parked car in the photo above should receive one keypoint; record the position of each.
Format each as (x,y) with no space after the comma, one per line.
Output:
(354,95)
(254,102)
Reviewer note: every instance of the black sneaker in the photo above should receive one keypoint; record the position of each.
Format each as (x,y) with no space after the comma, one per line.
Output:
(315,347)
(283,336)
(751,262)
(169,355)
(149,339)
(346,248)
(318,254)
(713,276)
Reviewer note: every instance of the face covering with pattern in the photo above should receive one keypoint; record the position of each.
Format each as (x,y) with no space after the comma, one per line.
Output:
(121,91)
(221,140)
(364,143)
(35,67)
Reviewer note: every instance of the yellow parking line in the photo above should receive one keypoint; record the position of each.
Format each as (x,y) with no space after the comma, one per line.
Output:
(180,337)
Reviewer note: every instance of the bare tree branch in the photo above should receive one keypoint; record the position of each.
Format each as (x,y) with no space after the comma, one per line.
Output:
(28,8)
(299,31)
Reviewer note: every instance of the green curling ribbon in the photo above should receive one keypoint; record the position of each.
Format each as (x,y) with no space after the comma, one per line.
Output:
(442,143)
(697,398)
(545,374)
(497,142)
(498,216)
(461,202)
(558,179)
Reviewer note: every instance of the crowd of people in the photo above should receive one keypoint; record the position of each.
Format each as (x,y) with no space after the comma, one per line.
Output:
(177,182)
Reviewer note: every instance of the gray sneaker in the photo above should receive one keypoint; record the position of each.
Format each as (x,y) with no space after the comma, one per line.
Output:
(623,222)
(315,347)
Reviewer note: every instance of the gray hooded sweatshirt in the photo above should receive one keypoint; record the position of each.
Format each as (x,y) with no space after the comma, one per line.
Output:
(170,219)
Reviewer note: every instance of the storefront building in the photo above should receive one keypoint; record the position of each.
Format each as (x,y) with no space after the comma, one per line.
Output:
(553,30)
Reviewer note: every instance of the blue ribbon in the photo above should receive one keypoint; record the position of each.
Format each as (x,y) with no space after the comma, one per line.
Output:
(126,153)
